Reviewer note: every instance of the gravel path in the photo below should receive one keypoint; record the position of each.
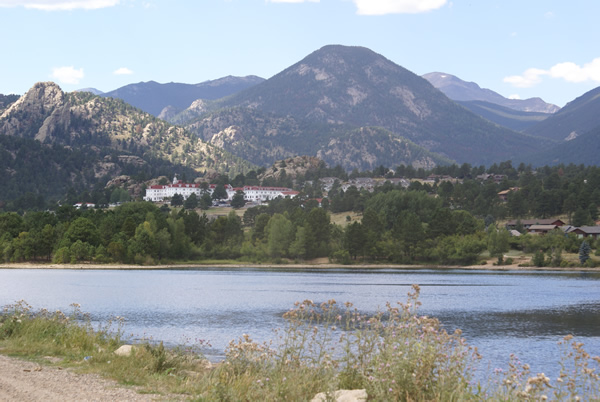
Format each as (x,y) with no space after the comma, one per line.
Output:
(26,381)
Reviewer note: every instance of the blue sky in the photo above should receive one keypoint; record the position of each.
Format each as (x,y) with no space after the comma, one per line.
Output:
(519,48)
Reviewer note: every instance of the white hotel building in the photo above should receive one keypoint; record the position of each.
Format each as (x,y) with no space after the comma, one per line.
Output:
(251,193)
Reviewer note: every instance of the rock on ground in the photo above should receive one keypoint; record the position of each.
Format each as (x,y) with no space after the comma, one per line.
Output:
(343,395)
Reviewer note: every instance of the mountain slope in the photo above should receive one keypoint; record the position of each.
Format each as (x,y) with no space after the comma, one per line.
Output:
(31,171)
(581,150)
(459,90)
(265,137)
(576,118)
(6,101)
(109,128)
(503,116)
(91,90)
(153,97)
(345,88)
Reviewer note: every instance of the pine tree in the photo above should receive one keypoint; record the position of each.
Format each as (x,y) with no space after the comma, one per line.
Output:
(584,252)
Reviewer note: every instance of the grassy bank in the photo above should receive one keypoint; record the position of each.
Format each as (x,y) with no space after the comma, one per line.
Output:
(393,355)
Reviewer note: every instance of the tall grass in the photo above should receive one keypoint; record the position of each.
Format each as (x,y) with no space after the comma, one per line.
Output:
(395,354)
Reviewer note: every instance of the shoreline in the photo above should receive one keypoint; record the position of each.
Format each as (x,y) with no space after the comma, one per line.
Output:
(175,267)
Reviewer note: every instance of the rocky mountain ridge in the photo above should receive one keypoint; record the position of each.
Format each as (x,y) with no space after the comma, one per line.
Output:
(314,107)
(97,138)
(153,97)
(460,90)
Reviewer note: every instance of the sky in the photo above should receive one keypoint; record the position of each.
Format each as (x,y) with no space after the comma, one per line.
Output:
(518,48)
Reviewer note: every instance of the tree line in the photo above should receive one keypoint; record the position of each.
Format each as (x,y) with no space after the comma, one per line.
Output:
(439,223)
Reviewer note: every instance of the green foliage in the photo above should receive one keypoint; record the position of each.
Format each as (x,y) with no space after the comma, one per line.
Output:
(584,252)
(280,234)
(191,202)
(177,200)
(497,242)
(538,259)
(219,193)
(238,200)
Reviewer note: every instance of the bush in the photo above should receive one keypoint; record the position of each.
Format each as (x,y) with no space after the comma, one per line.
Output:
(341,257)
(538,259)
(62,256)
(395,355)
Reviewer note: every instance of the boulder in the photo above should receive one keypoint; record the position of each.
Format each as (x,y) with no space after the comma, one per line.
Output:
(125,350)
(343,395)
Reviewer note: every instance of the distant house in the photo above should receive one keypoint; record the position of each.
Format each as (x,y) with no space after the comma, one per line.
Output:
(587,231)
(503,195)
(541,229)
(568,228)
(526,223)
(80,205)
(496,178)
(395,181)
(438,178)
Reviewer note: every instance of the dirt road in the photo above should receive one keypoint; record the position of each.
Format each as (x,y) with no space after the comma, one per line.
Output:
(27,381)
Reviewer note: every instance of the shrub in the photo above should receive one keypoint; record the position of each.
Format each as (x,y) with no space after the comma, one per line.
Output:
(538,259)
(577,380)
(62,256)
(341,257)
(394,354)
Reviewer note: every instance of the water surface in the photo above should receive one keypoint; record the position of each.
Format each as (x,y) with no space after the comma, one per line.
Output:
(500,312)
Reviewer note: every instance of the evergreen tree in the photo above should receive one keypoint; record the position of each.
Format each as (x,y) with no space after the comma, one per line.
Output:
(219,192)
(205,201)
(584,252)
(191,202)
(355,240)
(498,243)
(177,200)
(238,200)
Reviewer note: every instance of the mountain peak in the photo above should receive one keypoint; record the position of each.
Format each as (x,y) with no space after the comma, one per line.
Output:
(459,90)
(336,90)
(38,101)
(153,97)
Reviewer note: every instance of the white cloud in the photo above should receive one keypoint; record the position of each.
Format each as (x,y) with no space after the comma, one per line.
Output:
(567,71)
(530,77)
(53,5)
(571,72)
(122,71)
(67,75)
(383,7)
(514,96)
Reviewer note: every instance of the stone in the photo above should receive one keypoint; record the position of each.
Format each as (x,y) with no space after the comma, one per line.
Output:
(343,395)
(125,350)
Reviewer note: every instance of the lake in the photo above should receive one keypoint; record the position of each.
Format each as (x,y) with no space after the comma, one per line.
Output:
(500,312)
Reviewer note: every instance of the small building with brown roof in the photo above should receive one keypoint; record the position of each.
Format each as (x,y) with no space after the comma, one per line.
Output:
(587,231)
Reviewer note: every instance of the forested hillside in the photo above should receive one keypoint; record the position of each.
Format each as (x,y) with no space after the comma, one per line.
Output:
(84,140)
